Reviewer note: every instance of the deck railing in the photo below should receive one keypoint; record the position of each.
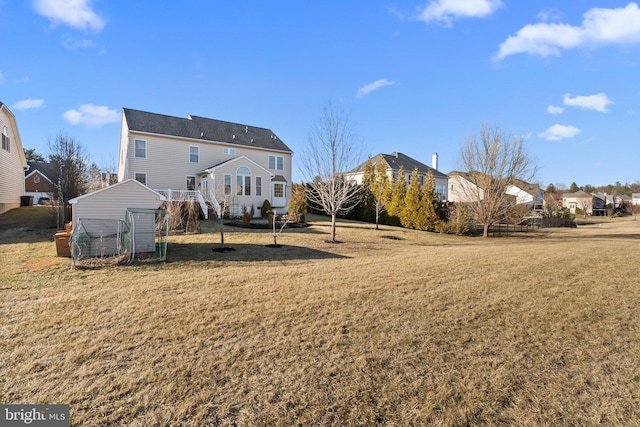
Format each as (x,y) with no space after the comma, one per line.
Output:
(183,196)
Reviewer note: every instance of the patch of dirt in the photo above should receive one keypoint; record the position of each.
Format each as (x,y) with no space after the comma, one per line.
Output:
(223,249)
(391,237)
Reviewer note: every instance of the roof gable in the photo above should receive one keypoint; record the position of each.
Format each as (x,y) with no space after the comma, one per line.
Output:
(126,182)
(235,159)
(204,129)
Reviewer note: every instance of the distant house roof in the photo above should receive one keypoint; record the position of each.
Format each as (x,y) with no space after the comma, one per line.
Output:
(46,169)
(396,160)
(578,194)
(204,129)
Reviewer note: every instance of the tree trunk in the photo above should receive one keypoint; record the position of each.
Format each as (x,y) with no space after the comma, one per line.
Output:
(485,230)
(377,218)
(333,227)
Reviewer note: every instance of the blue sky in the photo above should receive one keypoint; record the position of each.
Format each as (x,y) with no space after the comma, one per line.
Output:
(414,76)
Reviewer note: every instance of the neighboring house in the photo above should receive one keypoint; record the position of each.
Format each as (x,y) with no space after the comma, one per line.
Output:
(38,182)
(461,189)
(396,161)
(12,161)
(530,195)
(580,200)
(635,198)
(209,160)
(552,200)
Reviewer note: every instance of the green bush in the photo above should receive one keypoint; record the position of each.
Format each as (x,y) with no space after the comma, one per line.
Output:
(265,210)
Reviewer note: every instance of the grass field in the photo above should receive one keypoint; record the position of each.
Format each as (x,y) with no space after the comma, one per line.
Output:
(390,327)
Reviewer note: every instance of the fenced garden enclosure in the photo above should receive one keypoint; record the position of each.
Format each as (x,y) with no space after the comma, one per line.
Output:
(143,235)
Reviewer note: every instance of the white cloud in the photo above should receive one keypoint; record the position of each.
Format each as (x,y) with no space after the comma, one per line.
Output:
(598,102)
(28,104)
(373,86)
(75,13)
(444,11)
(547,15)
(71,43)
(599,27)
(91,115)
(559,132)
(552,109)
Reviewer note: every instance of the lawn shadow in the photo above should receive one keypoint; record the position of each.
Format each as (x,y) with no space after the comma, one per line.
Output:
(244,252)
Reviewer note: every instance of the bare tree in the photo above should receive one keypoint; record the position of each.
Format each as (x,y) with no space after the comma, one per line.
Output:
(332,151)
(586,205)
(69,161)
(494,161)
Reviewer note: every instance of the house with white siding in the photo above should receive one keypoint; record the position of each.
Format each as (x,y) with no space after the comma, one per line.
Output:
(463,189)
(212,161)
(12,161)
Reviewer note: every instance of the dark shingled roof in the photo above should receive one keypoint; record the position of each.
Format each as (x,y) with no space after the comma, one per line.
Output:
(45,168)
(398,160)
(204,129)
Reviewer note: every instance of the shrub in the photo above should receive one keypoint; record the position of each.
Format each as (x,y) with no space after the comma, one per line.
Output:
(297,204)
(265,210)
(246,218)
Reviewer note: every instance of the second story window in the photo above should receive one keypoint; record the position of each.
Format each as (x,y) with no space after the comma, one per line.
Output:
(276,163)
(194,154)
(140,148)
(229,150)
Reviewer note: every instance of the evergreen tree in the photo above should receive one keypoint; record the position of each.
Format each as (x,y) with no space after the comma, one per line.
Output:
(365,209)
(380,189)
(574,188)
(297,203)
(429,212)
(396,202)
(409,214)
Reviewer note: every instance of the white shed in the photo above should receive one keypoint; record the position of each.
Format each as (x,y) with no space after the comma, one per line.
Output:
(112,202)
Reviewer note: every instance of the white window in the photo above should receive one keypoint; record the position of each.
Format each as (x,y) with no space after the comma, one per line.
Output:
(141,177)
(229,150)
(140,148)
(276,162)
(36,179)
(258,186)
(194,154)
(243,181)
(278,190)
(227,184)
(191,183)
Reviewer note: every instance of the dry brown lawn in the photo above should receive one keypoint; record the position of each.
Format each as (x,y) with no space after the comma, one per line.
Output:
(391,327)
